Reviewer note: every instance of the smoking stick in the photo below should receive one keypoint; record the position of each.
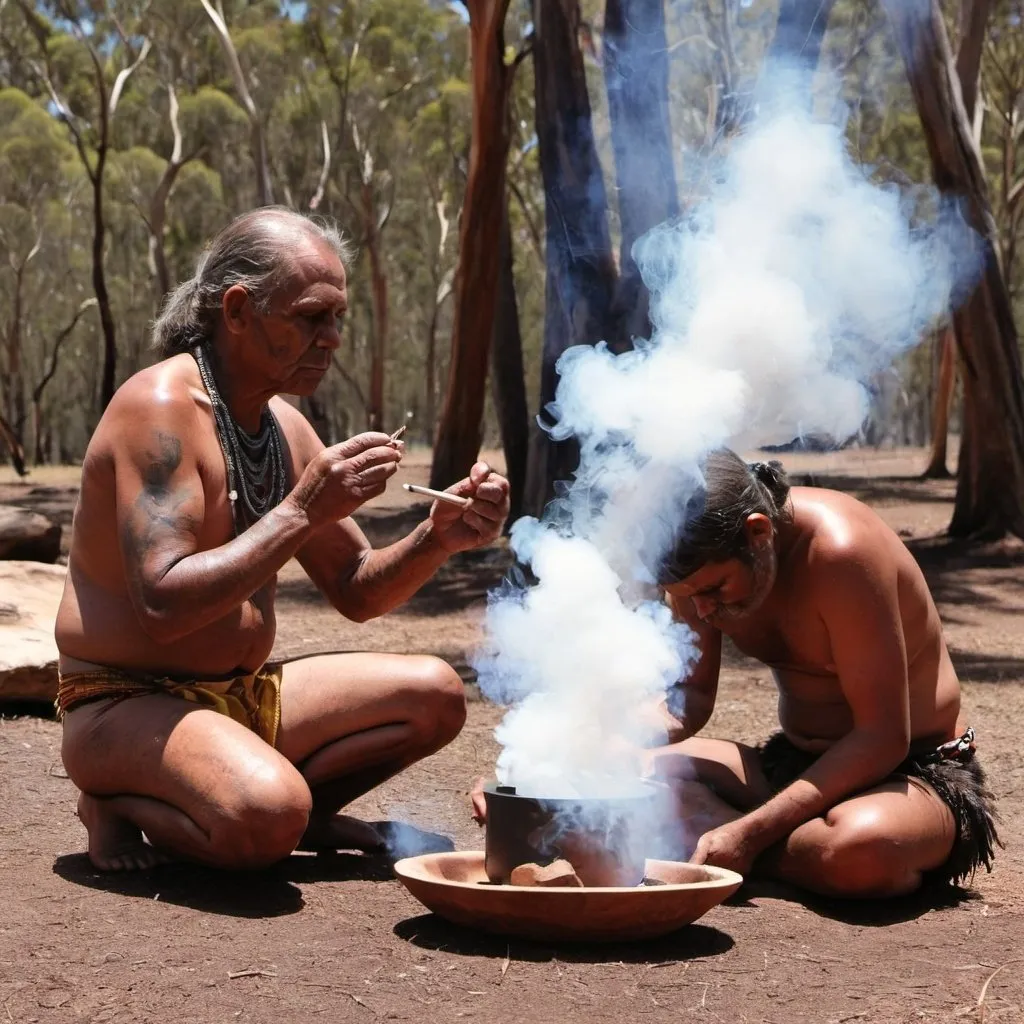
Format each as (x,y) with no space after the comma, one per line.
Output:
(452,499)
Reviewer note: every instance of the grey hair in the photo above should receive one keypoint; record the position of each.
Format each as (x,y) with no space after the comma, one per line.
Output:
(249,253)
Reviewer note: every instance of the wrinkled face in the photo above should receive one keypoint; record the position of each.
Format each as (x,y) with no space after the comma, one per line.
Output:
(725,592)
(291,344)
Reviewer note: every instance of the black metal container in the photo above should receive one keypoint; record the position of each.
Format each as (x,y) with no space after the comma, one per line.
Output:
(604,840)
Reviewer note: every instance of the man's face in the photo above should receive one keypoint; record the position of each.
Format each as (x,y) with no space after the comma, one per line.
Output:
(292,343)
(726,592)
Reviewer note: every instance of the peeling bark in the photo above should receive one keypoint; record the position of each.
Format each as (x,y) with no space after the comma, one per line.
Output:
(990,478)
(460,430)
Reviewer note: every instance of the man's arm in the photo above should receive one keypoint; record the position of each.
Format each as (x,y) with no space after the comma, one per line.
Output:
(859,603)
(363,582)
(690,702)
(174,587)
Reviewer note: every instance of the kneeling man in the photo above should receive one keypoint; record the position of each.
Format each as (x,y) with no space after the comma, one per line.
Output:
(872,785)
(198,485)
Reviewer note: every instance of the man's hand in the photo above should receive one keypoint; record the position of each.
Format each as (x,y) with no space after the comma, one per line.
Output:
(478,801)
(728,846)
(478,523)
(341,478)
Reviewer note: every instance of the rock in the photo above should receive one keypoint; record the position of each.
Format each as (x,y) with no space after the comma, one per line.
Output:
(30,594)
(28,536)
(557,873)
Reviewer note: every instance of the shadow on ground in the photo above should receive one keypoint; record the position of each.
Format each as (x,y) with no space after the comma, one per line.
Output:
(428,931)
(865,913)
(269,893)
(230,893)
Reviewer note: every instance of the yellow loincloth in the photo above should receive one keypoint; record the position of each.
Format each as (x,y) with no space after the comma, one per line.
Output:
(252,700)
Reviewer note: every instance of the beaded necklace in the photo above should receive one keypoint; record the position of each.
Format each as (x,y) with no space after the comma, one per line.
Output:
(255,463)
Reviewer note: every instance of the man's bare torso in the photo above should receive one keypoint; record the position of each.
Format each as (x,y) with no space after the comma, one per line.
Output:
(788,634)
(97,624)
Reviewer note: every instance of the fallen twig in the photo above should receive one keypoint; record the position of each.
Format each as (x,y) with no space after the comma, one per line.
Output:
(984,988)
(251,973)
(507,961)
(343,991)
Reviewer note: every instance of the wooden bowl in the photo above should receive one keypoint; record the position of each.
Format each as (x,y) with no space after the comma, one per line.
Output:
(455,886)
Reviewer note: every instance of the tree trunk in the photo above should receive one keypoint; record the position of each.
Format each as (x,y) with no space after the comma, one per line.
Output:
(156,224)
(800,30)
(430,376)
(636,80)
(37,433)
(14,384)
(17,453)
(507,378)
(379,290)
(990,477)
(581,273)
(974,21)
(936,468)
(99,284)
(459,433)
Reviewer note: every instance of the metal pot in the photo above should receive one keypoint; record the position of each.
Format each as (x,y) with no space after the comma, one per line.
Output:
(604,840)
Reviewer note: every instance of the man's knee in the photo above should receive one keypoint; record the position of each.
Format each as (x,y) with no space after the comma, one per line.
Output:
(861,859)
(267,820)
(441,698)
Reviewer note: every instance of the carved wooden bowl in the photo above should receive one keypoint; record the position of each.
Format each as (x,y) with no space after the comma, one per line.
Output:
(455,886)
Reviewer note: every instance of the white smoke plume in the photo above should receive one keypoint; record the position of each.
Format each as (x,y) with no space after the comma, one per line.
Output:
(774,303)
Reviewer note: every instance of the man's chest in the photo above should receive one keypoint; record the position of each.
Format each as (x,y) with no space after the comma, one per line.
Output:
(790,640)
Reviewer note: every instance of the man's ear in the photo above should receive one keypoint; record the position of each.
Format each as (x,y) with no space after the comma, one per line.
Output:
(758,528)
(237,309)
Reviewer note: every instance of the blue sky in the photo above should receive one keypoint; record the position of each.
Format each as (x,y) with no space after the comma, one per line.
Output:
(296,9)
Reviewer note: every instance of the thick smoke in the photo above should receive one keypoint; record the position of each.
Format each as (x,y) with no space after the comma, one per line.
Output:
(774,304)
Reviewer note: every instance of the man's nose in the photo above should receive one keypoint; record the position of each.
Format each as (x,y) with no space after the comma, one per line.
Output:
(329,337)
(703,606)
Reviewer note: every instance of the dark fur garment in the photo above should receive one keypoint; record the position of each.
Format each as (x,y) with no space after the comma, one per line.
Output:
(952,771)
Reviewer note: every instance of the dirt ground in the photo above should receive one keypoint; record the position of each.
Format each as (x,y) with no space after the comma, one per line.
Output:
(337,938)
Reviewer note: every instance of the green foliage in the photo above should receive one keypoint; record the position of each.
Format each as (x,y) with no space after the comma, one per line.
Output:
(388,82)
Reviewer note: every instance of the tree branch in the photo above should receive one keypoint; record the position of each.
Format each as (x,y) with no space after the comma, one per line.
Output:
(123,75)
(234,65)
(325,171)
(265,187)
(51,369)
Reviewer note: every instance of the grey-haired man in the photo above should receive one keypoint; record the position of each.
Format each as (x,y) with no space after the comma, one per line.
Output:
(198,485)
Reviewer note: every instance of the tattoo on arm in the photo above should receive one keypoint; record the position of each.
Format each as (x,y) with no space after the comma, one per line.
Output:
(159,512)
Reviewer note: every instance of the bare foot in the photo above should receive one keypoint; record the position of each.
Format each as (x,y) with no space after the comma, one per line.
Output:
(115,844)
(340,832)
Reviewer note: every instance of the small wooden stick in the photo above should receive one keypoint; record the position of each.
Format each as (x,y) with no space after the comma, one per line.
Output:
(452,499)
(397,435)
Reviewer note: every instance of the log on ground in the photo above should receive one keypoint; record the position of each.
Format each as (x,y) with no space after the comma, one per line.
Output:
(27,536)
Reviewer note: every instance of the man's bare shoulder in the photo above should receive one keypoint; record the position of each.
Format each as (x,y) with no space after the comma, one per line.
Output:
(160,399)
(847,544)
(167,388)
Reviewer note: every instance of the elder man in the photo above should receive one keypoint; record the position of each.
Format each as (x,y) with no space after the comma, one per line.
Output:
(199,484)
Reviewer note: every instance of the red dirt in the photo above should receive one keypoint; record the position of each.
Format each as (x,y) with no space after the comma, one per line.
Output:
(337,938)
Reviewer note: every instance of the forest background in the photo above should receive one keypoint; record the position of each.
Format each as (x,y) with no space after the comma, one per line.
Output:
(492,163)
